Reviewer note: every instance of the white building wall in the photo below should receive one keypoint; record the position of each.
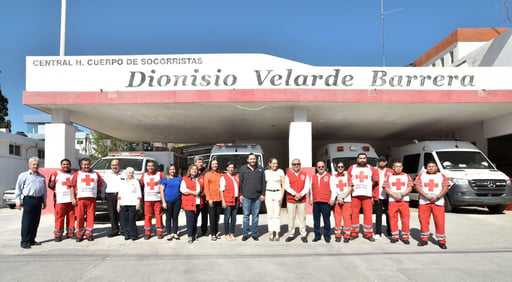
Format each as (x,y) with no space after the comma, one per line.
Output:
(10,165)
(497,126)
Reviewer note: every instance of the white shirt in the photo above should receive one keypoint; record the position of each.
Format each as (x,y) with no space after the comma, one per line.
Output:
(129,192)
(273,178)
(113,181)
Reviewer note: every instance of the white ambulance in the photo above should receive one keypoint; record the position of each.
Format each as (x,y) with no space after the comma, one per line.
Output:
(475,180)
(347,153)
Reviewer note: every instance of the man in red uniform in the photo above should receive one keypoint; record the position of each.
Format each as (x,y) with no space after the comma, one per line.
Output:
(363,178)
(398,185)
(86,184)
(340,197)
(64,205)
(432,186)
(297,184)
(152,200)
(320,199)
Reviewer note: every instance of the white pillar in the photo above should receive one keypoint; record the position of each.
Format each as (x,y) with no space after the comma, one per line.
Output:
(59,141)
(300,139)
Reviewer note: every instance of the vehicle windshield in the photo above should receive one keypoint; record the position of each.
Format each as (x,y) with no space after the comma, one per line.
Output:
(463,160)
(104,164)
(348,161)
(238,159)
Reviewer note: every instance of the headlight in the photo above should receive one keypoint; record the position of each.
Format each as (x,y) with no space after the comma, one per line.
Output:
(458,181)
(508,182)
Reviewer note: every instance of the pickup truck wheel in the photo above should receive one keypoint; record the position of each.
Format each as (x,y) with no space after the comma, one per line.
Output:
(497,209)
(11,206)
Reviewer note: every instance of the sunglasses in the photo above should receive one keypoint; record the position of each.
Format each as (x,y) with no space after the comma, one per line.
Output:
(340,166)
(296,164)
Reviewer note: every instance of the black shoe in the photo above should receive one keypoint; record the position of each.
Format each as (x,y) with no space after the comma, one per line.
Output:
(25,246)
(78,239)
(135,238)
(160,236)
(126,238)
(327,239)
(90,238)
(244,238)
(57,239)
(316,239)
(353,237)
(35,243)
(255,238)
(443,246)
(392,241)
(304,239)
(422,243)
(289,239)
(370,238)
(406,242)
(146,237)
(113,234)
(346,240)
(338,239)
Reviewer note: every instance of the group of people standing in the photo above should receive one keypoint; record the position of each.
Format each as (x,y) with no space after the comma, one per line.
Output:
(203,192)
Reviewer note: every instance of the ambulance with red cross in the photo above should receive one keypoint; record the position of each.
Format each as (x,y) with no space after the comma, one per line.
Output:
(475,180)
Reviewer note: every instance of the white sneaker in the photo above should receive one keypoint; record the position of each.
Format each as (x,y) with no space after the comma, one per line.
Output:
(376,236)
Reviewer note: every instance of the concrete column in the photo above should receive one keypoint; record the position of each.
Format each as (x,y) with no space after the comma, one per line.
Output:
(59,141)
(300,139)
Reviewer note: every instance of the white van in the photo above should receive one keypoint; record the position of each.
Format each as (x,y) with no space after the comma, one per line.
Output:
(475,180)
(347,153)
(237,153)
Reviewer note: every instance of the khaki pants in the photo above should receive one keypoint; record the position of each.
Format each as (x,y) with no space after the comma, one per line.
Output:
(300,210)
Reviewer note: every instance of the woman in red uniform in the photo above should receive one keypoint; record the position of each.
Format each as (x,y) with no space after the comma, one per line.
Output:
(191,201)
(229,195)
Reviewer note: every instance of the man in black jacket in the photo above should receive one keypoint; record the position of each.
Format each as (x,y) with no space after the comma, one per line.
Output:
(252,190)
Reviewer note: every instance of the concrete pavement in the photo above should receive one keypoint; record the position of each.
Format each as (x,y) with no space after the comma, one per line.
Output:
(479,249)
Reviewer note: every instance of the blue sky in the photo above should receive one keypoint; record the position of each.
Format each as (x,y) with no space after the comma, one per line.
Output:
(322,32)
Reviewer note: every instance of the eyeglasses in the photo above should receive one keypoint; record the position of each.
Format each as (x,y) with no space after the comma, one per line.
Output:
(296,164)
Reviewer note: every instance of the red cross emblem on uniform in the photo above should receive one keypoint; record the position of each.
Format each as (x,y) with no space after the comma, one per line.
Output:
(302,177)
(398,184)
(431,185)
(362,177)
(152,184)
(87,180)
(341,185)
(67,182)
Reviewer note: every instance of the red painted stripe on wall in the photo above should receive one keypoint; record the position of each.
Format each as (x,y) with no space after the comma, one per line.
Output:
(268,95)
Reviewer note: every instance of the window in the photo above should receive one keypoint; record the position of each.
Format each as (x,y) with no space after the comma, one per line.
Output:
(14,149)
(426,158)
(40,154)
(411,163)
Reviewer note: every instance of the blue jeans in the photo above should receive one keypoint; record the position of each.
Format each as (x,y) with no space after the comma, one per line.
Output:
(192,221)
(324,209)
(230,219)
(251,207)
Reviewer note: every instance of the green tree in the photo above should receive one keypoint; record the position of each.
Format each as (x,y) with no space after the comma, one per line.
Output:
(103,144)
(4,111)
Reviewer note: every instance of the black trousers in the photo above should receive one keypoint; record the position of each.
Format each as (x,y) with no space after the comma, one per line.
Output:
(115,221)
(129,217)
(192,221)
(204,219)
(30,219)
(381,207)
(214,216)
(171,217)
